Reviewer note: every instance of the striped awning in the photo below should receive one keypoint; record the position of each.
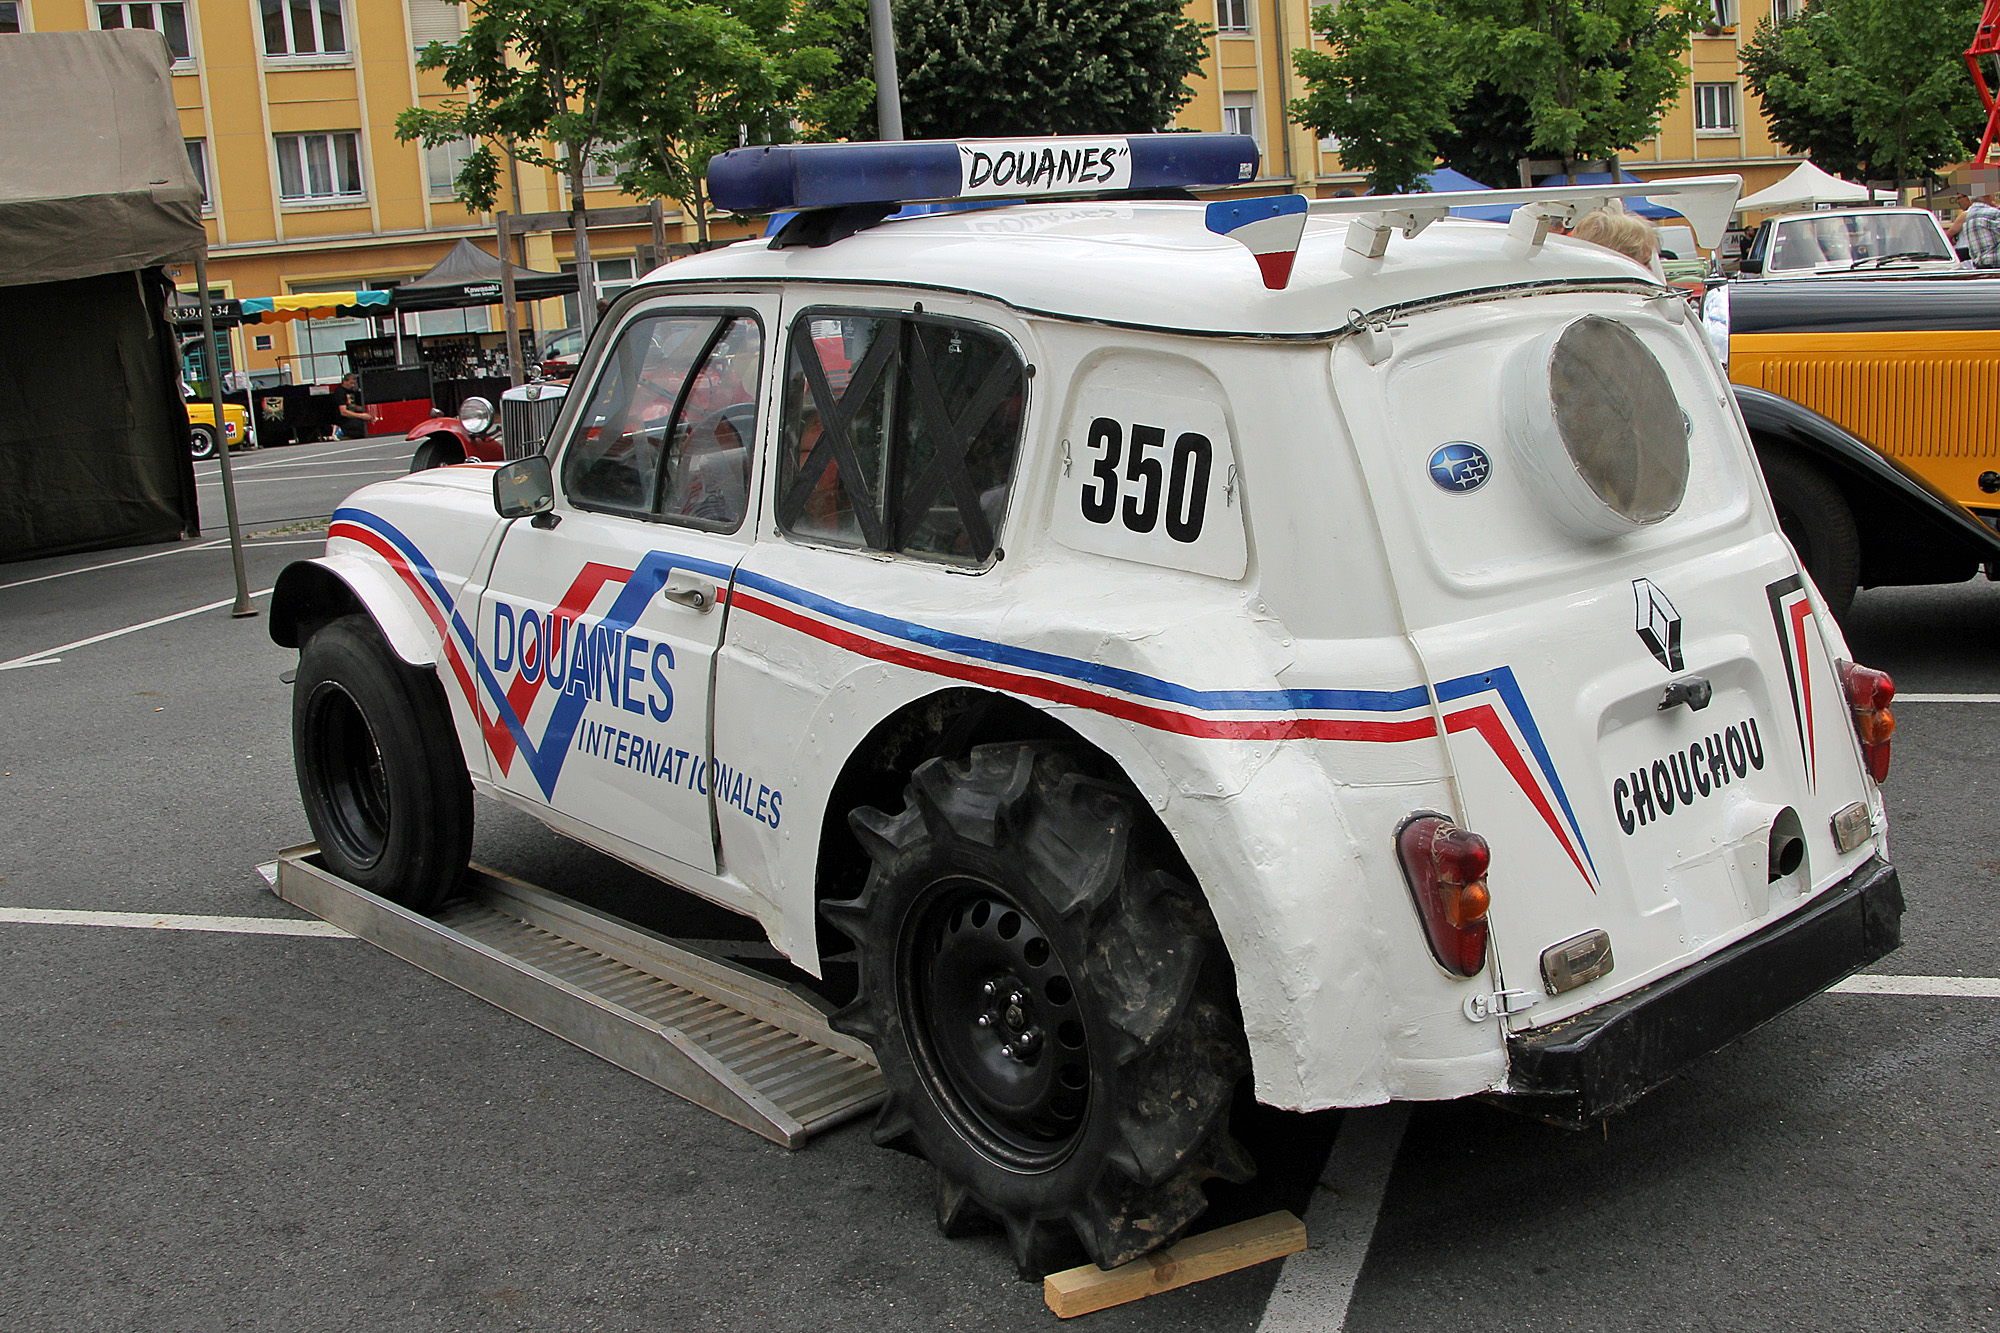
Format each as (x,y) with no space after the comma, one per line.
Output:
(313,305)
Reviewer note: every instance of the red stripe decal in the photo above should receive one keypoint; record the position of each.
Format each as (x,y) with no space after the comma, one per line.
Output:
(1487,723)
(1800,610)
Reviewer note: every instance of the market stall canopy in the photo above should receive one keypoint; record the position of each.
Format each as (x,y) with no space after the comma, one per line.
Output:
(94,177)
(1805,187)
(313,305)
(469,276)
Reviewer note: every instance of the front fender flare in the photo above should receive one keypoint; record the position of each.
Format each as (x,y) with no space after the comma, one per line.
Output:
(311,592)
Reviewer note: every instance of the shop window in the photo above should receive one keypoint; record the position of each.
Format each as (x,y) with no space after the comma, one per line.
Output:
(319,168)
(168,19)
(304,28)
(197,151)
(672,421)
(900,434)
(1715,108)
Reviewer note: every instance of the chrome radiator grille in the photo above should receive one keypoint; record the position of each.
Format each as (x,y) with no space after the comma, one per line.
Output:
(524,426)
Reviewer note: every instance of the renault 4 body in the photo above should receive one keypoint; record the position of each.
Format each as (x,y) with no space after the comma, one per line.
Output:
(1167,642)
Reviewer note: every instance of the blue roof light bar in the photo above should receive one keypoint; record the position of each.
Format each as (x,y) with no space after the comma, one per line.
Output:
(835,175)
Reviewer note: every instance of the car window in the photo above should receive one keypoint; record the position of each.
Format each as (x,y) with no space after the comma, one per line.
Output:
(1855,237)
(900,434)
(671,421)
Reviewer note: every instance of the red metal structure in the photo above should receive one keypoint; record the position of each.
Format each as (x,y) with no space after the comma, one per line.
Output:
(1985,42)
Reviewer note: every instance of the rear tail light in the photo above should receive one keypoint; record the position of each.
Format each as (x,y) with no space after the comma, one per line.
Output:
(1869,693)
(1445,867)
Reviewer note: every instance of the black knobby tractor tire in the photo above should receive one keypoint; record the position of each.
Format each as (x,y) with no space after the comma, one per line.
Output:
(1051,1004)
(201,441)
(1816,520)
(380,771)
(435,452)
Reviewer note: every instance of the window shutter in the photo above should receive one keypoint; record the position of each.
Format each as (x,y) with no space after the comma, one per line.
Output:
(435,21)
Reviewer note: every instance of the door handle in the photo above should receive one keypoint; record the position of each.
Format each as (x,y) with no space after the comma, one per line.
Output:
(689,589)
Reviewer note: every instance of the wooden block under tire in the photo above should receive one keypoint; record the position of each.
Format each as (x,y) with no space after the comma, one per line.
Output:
(1078,1291)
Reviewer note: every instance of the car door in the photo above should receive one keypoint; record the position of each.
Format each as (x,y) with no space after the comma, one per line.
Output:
(601,621)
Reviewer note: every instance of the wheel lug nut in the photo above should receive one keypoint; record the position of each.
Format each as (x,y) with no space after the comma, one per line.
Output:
(1015,998)
(986,1020)
(988,988)
(1007,1051)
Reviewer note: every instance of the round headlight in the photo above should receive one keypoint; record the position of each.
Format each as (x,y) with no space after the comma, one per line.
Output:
(1596,417)
(475,414)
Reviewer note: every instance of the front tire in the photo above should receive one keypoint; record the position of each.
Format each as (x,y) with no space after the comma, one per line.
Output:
(201,441)
(380,772)
(1814,517)
(1050,1003)
(435,452)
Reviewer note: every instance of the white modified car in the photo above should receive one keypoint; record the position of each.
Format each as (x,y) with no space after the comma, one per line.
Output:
(1306,640)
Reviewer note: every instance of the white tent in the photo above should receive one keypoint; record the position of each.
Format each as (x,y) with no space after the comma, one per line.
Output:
(1804,188)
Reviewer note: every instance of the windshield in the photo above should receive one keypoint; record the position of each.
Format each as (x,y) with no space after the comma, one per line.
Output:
(1844,239)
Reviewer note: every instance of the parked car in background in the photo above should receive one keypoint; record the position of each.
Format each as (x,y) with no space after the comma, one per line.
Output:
(478,433)
(201,427)
(1874,407)
(561,351)
(1848,240)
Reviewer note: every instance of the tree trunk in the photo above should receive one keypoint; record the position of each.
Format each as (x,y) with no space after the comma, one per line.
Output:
(586,273)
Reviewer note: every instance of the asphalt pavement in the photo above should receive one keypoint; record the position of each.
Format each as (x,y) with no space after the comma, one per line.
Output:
(211,1129)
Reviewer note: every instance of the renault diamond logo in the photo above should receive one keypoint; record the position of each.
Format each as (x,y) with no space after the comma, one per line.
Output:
(1659,624)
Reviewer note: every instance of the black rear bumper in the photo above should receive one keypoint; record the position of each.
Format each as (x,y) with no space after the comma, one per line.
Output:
(1604,1059)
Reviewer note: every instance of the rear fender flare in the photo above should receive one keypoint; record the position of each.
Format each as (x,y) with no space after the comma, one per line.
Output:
(311,592)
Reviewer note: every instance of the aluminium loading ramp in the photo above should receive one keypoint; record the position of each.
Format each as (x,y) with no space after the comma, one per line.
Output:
(739,1043)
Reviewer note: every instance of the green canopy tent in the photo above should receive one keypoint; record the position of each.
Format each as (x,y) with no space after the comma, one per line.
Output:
(97,197)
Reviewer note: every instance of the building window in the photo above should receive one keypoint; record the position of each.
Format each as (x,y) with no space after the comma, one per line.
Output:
(319,168)
(261,341)
(197,151)
(1715,108)
(1232,15)
(599,171)
(1723,12)
(613,277)
(13,16)
(442,163)
(435,21)
(169,19)
(304,28)
(1239,113)
(1787,10)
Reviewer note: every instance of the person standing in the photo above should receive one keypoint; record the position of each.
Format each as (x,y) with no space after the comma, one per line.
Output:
(353,417)
(1978,227)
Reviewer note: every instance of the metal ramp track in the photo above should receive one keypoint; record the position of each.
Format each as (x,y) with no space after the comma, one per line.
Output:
(744,1046)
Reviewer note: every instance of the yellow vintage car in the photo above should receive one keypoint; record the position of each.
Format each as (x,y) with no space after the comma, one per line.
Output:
(1874,405)
(201,427)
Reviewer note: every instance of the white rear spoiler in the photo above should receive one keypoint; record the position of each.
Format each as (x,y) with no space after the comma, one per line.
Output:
(1705,201)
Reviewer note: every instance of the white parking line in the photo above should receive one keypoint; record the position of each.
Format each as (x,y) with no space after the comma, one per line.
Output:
(238,463)
(230,925)
(1316,1285)
(49,655)
(1948,698)
(178,550)
(1941,988)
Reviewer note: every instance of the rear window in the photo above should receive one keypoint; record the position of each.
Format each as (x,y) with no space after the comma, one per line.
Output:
(900,434)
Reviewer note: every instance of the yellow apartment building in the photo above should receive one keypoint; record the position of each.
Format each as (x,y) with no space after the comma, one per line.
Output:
(288,108)
(1249,80)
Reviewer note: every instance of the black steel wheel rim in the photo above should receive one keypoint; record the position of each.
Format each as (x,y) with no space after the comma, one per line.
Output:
(354,787)
(995,1024)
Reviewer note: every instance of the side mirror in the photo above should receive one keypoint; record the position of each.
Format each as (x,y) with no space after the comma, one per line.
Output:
(524,487)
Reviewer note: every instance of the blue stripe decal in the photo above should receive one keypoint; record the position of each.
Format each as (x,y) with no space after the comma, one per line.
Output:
(1092,673)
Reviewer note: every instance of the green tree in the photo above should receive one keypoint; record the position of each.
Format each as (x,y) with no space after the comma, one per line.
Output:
(1871,89)
(1593,76)
(644,85)
(995,67)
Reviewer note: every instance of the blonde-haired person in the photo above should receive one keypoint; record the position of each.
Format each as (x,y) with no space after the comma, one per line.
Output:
(1627,233)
